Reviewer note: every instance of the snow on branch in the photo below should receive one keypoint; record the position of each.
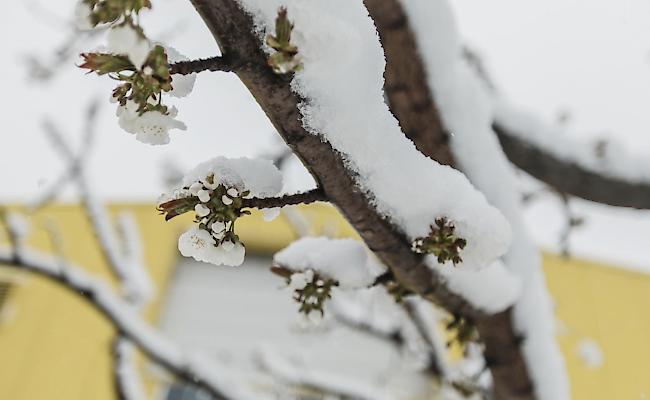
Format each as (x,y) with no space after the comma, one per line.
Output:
(342,69)
(344,260)
(598,171)
(127,382)
(466,110)
(137,283)
(334,169)
(313,266)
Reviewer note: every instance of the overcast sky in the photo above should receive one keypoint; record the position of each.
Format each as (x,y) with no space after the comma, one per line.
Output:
(589,57)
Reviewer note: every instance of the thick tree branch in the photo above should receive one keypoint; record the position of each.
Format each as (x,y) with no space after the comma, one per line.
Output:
(411,102)
(569,177)
(286,200)
(564,176)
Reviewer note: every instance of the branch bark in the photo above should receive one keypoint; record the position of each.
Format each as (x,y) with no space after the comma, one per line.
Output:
(569,177)
(413,105)
(286,200)
(218,63)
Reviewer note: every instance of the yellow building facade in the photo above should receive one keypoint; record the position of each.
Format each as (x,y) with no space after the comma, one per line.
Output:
(53,346)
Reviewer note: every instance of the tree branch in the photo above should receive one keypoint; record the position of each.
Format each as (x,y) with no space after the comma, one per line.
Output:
(570,177)
(125,377)
(217,63)
(412,104)
(121,315)
(286,200)
(564,176)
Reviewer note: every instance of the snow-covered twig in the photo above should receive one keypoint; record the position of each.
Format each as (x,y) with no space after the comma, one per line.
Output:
(300,376)
(131,275)
(125,319)
(286,200)
(435,362)
(393,336)
(74,163)
(128,385)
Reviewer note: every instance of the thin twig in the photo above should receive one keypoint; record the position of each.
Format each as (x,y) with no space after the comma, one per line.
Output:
(434,364)
(97,294)
(290,199)
(218,63)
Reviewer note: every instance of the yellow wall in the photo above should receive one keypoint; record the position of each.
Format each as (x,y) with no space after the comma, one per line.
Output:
(52,344)
(56,347)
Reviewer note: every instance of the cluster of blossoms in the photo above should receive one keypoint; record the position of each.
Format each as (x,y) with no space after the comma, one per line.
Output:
(310,289)
(216,192)
(216,207)
(141,67)
(442,242)
(313,266)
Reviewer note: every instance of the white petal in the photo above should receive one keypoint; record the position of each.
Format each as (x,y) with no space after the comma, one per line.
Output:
(226,200)
(201,210)
(232,192)
(204,196)
(195,243)
(218,226)
(195,187)
(298,281)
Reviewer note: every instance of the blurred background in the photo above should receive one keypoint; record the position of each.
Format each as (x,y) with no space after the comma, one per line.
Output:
(584,65)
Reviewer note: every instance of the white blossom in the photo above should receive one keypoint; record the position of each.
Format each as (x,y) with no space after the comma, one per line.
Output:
(218,226)
(196,243)
(201,210)
(226,200)
(232,192)
(195,188)
(152,127)
(203,195)
(200,245)
(298,281)
(125,40)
